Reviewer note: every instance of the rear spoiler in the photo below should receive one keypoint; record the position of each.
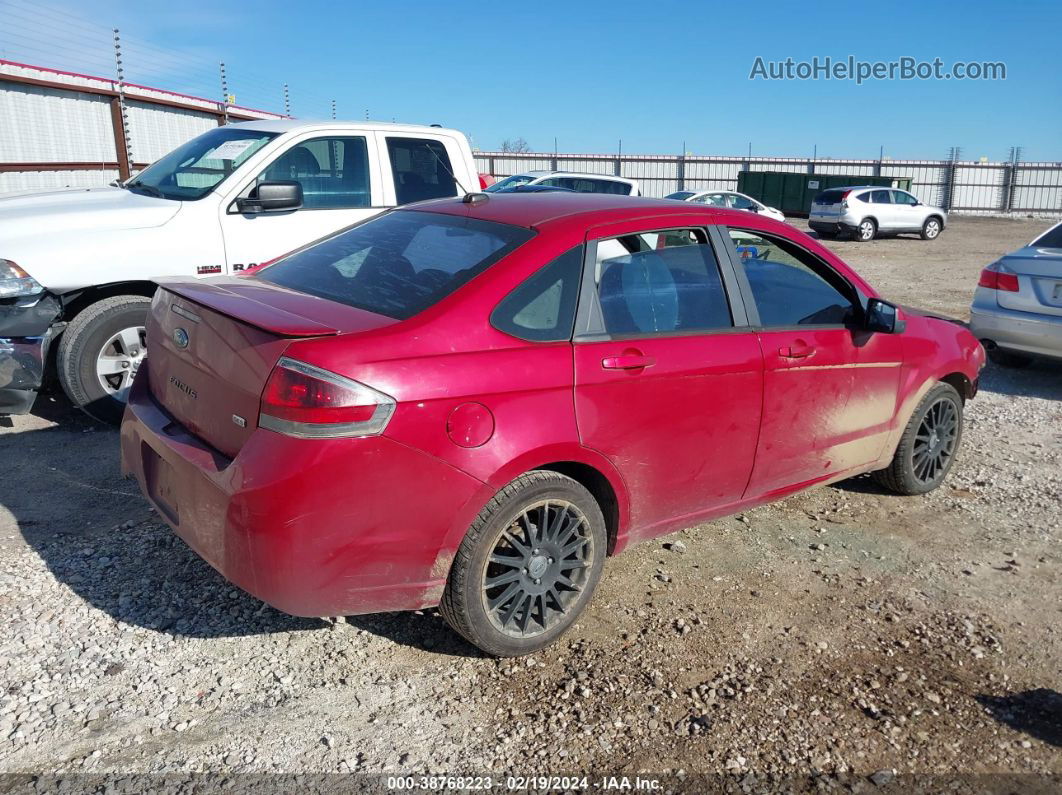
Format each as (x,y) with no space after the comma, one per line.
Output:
(239,299)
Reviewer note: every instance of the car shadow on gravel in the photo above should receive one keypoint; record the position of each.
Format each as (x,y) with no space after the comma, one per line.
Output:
(420,629)
(1035,712)
(1041,379)
(97,536)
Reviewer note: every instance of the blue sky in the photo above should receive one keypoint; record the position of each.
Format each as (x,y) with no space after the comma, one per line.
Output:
(591,73)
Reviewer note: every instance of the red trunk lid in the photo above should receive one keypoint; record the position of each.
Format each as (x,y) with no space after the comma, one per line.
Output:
(212,345)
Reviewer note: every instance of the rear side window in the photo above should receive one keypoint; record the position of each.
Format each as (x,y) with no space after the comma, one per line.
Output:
(421,169)
(589,185)
(660,283)
(542,309)
(880,197)
(399,263)
(791,287)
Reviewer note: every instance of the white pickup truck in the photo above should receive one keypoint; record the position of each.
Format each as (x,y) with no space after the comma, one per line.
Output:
(76,265)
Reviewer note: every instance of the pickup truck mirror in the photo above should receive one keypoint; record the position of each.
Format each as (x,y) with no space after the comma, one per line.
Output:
(271,197)
(883,317)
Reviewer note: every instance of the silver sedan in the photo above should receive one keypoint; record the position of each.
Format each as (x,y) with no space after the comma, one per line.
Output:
(1017,309)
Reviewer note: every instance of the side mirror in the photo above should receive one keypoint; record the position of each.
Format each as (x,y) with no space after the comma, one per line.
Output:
(883,317)
(271,197)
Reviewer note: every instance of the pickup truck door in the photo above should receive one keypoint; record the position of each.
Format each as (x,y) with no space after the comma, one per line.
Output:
(342,184)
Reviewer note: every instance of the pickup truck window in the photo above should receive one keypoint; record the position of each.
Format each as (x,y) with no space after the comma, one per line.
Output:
(193,170)
(421,170)
(333,172)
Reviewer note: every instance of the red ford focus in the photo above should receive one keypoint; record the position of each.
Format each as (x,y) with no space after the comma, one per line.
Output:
(470,403)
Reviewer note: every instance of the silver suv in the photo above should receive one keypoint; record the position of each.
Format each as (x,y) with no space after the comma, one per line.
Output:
(867,211)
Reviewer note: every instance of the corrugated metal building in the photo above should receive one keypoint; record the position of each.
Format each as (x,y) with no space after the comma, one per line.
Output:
(61,129)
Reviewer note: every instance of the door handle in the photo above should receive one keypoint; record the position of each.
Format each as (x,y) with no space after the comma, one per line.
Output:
(627,361)
(799,351)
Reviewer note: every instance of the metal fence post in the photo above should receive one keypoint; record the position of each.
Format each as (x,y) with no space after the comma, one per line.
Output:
(120,117)
(682,171)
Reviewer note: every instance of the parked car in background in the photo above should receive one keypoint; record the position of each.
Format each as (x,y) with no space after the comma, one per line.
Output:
(727,198)
(865,212)
(76,265)
(472,402)
(574,181)
(1017,307)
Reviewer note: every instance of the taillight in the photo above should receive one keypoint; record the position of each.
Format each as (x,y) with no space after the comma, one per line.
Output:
(483,182)
(844,199)
(997,277)
(302,400)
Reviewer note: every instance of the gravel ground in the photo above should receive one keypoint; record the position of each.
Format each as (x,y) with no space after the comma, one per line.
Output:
(841,636)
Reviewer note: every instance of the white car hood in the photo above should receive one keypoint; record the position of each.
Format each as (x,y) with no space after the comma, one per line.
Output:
(98,209)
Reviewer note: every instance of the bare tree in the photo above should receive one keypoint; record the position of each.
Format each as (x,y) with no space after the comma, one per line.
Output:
(515,145)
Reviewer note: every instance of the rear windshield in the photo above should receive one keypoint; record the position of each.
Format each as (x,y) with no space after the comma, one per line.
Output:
(399,263)
(681,195)
(1052,238)
(830,197)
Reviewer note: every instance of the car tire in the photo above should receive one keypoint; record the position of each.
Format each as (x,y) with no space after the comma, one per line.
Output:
(103,344)
(928,446)
(866,231)
(509,591)
(931,229)
(1003,358)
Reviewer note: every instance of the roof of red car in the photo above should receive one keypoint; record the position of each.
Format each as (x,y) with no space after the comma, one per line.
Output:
(538,209)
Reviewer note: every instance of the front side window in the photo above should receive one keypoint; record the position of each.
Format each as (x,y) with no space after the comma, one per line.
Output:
(399,263)
(714,199)
(195,168)
(421,169)
(333,172)
(660,283)
(902,197)
(542,309)
(790,286)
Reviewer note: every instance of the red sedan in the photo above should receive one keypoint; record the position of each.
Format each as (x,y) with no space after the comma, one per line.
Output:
(470,403)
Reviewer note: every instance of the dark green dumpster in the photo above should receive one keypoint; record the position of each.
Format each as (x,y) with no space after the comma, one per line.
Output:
(792,192)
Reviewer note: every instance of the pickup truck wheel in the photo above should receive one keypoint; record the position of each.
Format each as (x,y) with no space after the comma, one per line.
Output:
(928,446)
(528,565)
(100,352)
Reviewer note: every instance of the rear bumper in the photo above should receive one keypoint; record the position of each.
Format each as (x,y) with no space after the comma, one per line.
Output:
(832,227)
(1020,332)
(314,527)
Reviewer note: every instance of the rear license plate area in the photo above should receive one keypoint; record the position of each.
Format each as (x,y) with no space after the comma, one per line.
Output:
(161,483)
